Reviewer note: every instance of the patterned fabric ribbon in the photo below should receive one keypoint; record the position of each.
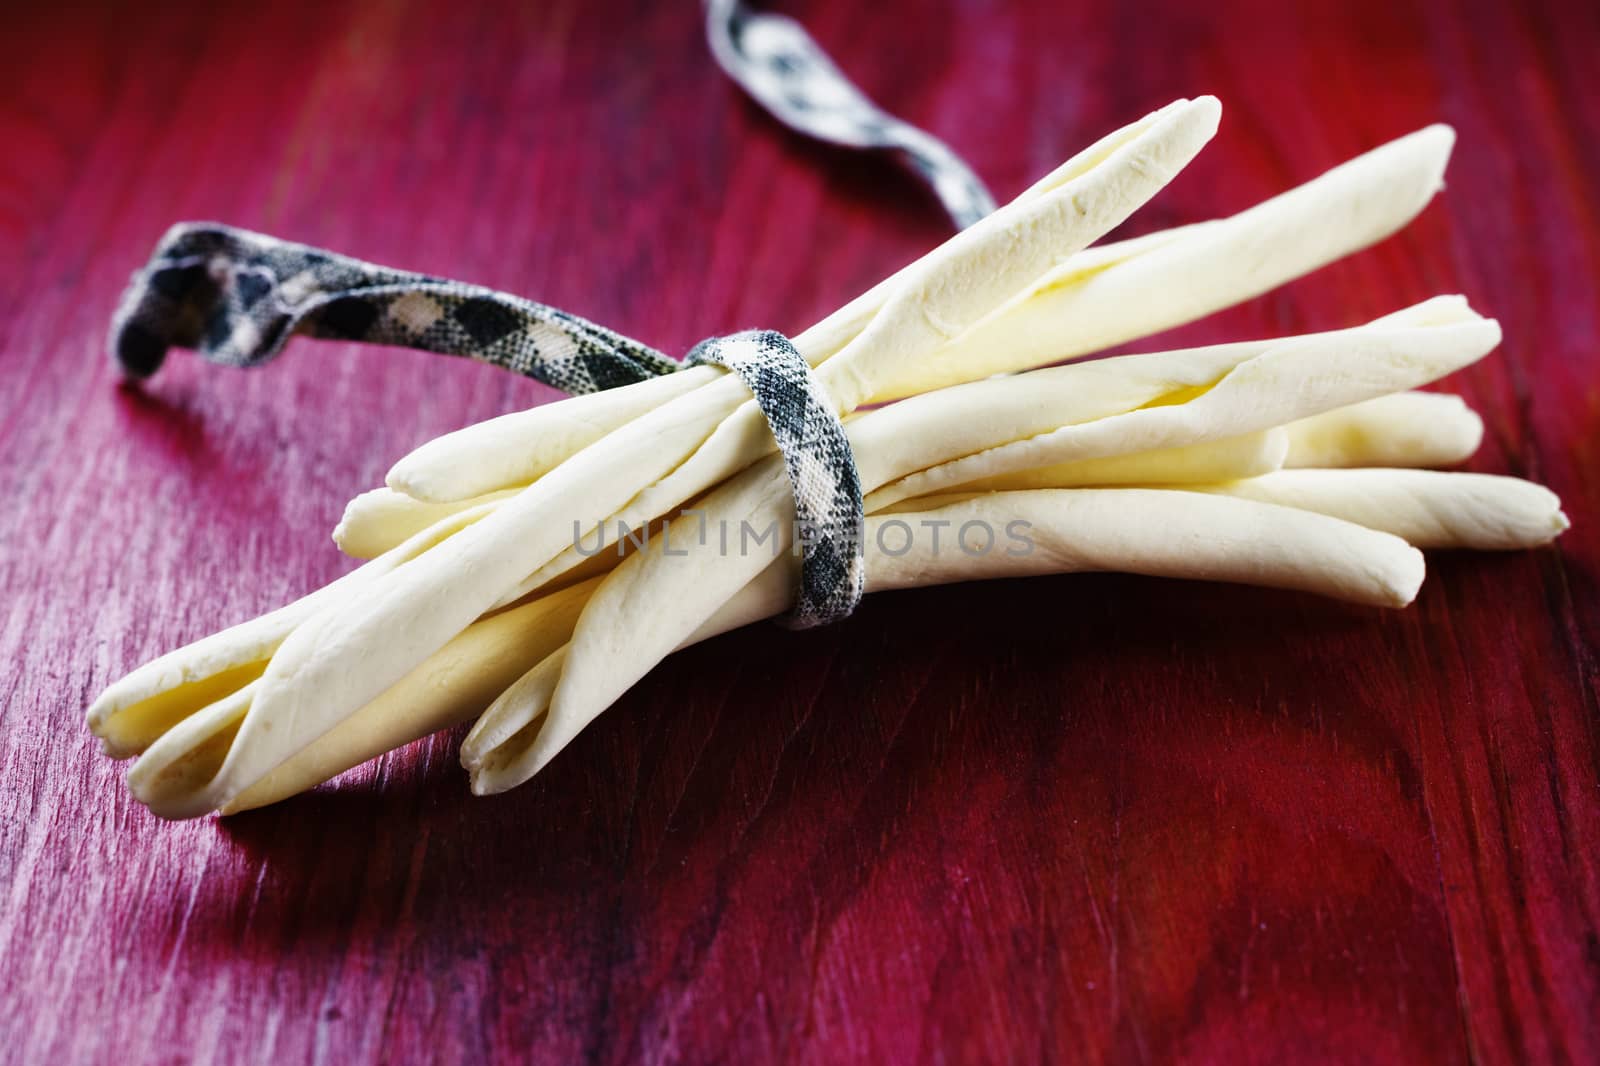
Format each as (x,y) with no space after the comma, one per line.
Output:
(237,297)
(828,509)
(783,69)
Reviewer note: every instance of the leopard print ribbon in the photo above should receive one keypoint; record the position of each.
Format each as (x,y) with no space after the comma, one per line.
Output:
(237,297)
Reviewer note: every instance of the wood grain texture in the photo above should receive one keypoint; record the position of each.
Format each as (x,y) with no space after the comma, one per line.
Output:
(1098,819)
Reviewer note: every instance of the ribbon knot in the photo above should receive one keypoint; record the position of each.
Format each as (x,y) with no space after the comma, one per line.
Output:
(237,297)
(821,465)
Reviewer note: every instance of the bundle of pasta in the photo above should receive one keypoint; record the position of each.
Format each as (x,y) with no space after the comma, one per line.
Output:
(480,592)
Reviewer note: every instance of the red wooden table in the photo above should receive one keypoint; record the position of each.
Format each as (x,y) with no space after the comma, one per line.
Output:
(1103,818)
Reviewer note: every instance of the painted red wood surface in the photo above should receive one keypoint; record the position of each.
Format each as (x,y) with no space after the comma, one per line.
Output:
(1092,818)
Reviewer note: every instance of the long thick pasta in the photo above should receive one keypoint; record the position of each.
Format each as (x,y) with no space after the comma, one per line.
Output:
(1189,397)
(492,592)
(1156,532)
